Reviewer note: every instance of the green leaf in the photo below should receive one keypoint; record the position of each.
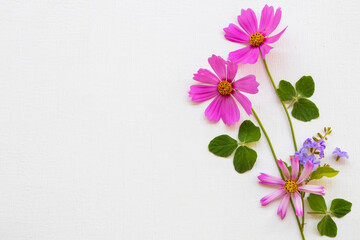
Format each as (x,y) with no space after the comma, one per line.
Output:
(286,91)
(327,227)
(324,171)
(248,132)
(317,203)
(305,110)
(244,159)
(305,87)
(340,207)
(223,145)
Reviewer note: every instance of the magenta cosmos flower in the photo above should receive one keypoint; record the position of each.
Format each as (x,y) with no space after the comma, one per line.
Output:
(224,89)
(290,187)
(257,36)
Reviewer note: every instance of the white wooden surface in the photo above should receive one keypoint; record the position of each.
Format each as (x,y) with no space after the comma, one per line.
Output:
(98,139)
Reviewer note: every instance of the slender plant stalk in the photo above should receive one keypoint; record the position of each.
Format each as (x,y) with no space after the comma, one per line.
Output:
(281,173)
(303,216)
(292,130)
(303,200)
(285,109)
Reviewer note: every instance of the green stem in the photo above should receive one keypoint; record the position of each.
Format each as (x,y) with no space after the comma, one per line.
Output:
(292,131)
(297,220)
(269,142)
(281,173)
(303,216)
(285,109)
(302,194)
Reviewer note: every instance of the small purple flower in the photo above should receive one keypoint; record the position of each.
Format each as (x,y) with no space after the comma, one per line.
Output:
(305,153)
(310,144)
(314,161)
(302,155)
(321,146)
(340,153)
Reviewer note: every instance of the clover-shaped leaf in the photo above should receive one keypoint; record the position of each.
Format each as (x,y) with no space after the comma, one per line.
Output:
(303,109)
(340,207)
(317,203)
(327,227)
(305,87)
(223,145)
(286,91)
(248,132)
(245,157)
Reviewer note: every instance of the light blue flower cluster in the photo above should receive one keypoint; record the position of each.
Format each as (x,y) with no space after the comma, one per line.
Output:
(309,151)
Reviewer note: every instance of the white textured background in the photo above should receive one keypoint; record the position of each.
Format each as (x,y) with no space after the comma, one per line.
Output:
(98,139)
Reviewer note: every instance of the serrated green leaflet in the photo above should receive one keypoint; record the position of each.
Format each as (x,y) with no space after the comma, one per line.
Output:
(248,132)
(317,203)
(305,87)
(244,159)
(286,91)
(340,207)
(327,227)
(305,110)
(223,145)
(324,171)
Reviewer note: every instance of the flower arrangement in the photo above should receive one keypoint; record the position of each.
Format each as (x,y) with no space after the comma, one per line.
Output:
(292,187)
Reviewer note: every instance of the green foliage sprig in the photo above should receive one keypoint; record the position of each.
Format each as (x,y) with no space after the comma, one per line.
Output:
(339,208)
(303,109)
(245,157)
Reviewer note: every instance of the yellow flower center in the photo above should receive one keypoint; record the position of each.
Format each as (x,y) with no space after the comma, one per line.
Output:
(256,39)
(290,186)
(225,87)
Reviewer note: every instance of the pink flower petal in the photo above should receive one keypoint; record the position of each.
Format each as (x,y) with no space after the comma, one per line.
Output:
(265,49)
(243,100)
(298,203)
(284,169)
(248,21)
(213,111)
(231,70)
(247,84)
(267,15)
(305,172)
(205,76)
(247,54)
(218,65)
(270,180)
(230,113)
(200,93)
(234,34)
(272,196)
(275,22)
(283,206)
(312,189)
(274,38)
(294,168)
(239,55)
(253,56)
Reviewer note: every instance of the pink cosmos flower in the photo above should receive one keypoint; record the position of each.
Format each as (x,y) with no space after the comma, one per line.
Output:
(255,35)
(290,187)
(224,89)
